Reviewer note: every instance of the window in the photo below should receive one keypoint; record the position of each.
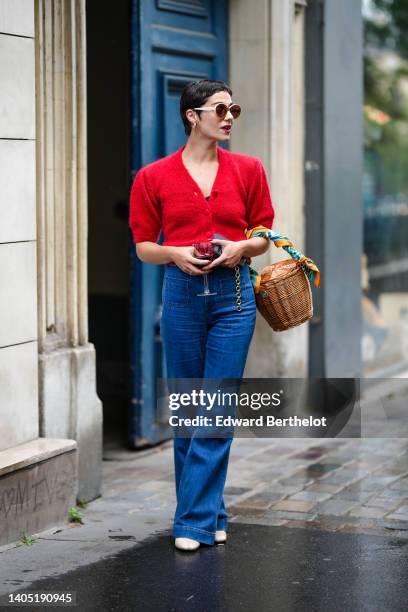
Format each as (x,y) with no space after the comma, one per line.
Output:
(385,188)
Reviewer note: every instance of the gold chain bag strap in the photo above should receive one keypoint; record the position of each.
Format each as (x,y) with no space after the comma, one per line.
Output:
(238,287)
(282,290)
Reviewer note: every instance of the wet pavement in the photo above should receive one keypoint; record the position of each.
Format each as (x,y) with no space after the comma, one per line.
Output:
(260,568)
(314,525)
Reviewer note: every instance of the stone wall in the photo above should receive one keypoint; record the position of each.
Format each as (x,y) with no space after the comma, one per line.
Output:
(267,79)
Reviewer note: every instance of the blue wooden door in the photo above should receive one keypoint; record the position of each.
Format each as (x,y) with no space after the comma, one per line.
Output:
(173,42)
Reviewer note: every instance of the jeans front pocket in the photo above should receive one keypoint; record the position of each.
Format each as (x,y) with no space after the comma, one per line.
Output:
(176,291)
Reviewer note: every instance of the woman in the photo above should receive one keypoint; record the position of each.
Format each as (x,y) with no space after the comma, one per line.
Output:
(197,192)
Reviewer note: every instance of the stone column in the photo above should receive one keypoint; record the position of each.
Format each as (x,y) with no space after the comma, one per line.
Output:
(266,76)
(69,405)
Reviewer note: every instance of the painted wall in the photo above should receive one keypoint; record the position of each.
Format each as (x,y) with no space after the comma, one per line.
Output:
(18,273)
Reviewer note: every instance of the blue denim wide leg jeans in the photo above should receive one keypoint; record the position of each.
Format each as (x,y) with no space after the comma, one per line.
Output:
(204,337)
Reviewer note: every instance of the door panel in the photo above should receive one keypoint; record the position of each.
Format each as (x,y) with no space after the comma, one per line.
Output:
(174,42)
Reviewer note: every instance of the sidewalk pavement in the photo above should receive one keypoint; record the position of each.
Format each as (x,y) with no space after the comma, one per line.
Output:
(342,485)
(331,484)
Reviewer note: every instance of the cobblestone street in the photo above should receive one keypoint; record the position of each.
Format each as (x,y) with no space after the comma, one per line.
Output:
(336,484)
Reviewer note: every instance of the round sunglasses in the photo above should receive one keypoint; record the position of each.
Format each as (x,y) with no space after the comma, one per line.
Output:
(222,109)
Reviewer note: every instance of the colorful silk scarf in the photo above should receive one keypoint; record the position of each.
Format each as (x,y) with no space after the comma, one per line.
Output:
(308,265)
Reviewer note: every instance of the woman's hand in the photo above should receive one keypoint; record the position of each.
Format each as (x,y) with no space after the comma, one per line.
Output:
(184,259)
(231,254)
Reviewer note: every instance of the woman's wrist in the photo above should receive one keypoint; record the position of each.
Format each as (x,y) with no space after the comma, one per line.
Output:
(151,252)
(253,246)
(169,253)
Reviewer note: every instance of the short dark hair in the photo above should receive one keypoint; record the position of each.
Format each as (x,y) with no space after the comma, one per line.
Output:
(196,94)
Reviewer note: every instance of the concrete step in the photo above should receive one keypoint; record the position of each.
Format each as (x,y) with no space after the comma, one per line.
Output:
(38,484)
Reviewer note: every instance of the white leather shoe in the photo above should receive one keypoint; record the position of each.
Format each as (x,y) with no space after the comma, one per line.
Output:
(186,544)
(220,537)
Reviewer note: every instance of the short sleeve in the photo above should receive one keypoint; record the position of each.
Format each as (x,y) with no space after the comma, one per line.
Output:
(144,211)
(260,210)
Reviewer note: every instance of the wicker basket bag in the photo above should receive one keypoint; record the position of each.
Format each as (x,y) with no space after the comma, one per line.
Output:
(282,290)
(284,298)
